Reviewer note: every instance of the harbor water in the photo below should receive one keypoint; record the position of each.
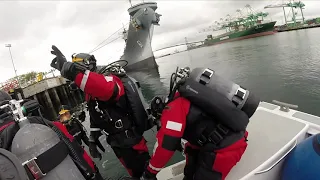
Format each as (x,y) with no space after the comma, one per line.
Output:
(284,66)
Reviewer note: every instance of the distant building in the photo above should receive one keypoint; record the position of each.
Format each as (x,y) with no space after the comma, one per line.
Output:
(9,85)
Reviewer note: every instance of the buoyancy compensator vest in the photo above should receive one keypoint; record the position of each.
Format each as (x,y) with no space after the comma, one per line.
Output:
(203,129)
(137,104)
(134,101)
(112,117)
(42,152)
(227,102)
(130,107)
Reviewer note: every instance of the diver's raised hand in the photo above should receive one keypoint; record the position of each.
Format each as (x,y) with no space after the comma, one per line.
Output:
(59,60)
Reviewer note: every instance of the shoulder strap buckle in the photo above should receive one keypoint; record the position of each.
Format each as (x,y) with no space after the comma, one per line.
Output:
(215,137)
(206,76)
(202,140)
(34,168)
(118,124)
(224,130)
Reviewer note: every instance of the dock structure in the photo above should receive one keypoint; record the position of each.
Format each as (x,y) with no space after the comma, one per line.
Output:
(51,93)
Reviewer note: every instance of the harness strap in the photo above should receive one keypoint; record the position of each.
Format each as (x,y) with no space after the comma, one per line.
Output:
(129,133)
(37,167)
(114,93)
(214,136)
(124,138)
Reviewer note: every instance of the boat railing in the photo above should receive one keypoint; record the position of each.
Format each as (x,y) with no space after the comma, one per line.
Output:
(285,107)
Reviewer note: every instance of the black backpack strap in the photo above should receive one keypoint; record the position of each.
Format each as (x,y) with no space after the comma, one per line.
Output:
(114,93)
(214,136)
(38,167)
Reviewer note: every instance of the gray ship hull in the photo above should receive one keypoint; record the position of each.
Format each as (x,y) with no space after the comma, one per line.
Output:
(151,84)
(138,51)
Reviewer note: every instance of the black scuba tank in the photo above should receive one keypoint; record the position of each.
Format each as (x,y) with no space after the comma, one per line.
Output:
(229,103)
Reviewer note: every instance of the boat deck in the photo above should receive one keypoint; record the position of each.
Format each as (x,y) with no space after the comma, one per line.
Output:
(269,134)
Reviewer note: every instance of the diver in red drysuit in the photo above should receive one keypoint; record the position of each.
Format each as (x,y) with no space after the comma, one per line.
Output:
(107,105)
(132,151)
(205,160)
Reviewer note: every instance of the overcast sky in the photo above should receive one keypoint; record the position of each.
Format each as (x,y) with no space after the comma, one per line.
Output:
(78,26)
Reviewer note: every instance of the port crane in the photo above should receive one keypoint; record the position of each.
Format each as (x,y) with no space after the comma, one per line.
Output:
(246,17)
(292,5)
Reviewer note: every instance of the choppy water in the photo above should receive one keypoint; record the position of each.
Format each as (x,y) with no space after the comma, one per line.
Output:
(284,66)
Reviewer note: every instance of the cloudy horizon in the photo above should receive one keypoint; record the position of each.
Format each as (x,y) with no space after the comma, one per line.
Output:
(31,27)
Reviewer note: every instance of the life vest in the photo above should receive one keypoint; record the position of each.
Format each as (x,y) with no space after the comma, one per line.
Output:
(137,104)
(226,102)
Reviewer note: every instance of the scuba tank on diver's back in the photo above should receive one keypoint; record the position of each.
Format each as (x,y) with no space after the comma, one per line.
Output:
(38,147)
(224,100)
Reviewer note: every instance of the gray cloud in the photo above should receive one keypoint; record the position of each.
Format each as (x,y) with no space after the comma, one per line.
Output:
(18,17)
(91,13)
(78,26)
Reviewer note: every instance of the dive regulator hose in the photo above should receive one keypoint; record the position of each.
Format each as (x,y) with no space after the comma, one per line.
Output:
(174,86)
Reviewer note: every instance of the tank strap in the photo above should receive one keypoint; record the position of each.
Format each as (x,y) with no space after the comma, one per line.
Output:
(37,167)
(126,134)
(214,136)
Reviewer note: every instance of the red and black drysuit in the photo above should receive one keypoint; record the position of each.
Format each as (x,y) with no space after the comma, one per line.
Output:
(76,129)
(107,94)
(205,159)
(8,129)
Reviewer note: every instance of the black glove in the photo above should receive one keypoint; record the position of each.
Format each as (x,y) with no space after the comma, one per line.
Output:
(73,86)
(94,151)
(59,60)
(148,176)
(69,71)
